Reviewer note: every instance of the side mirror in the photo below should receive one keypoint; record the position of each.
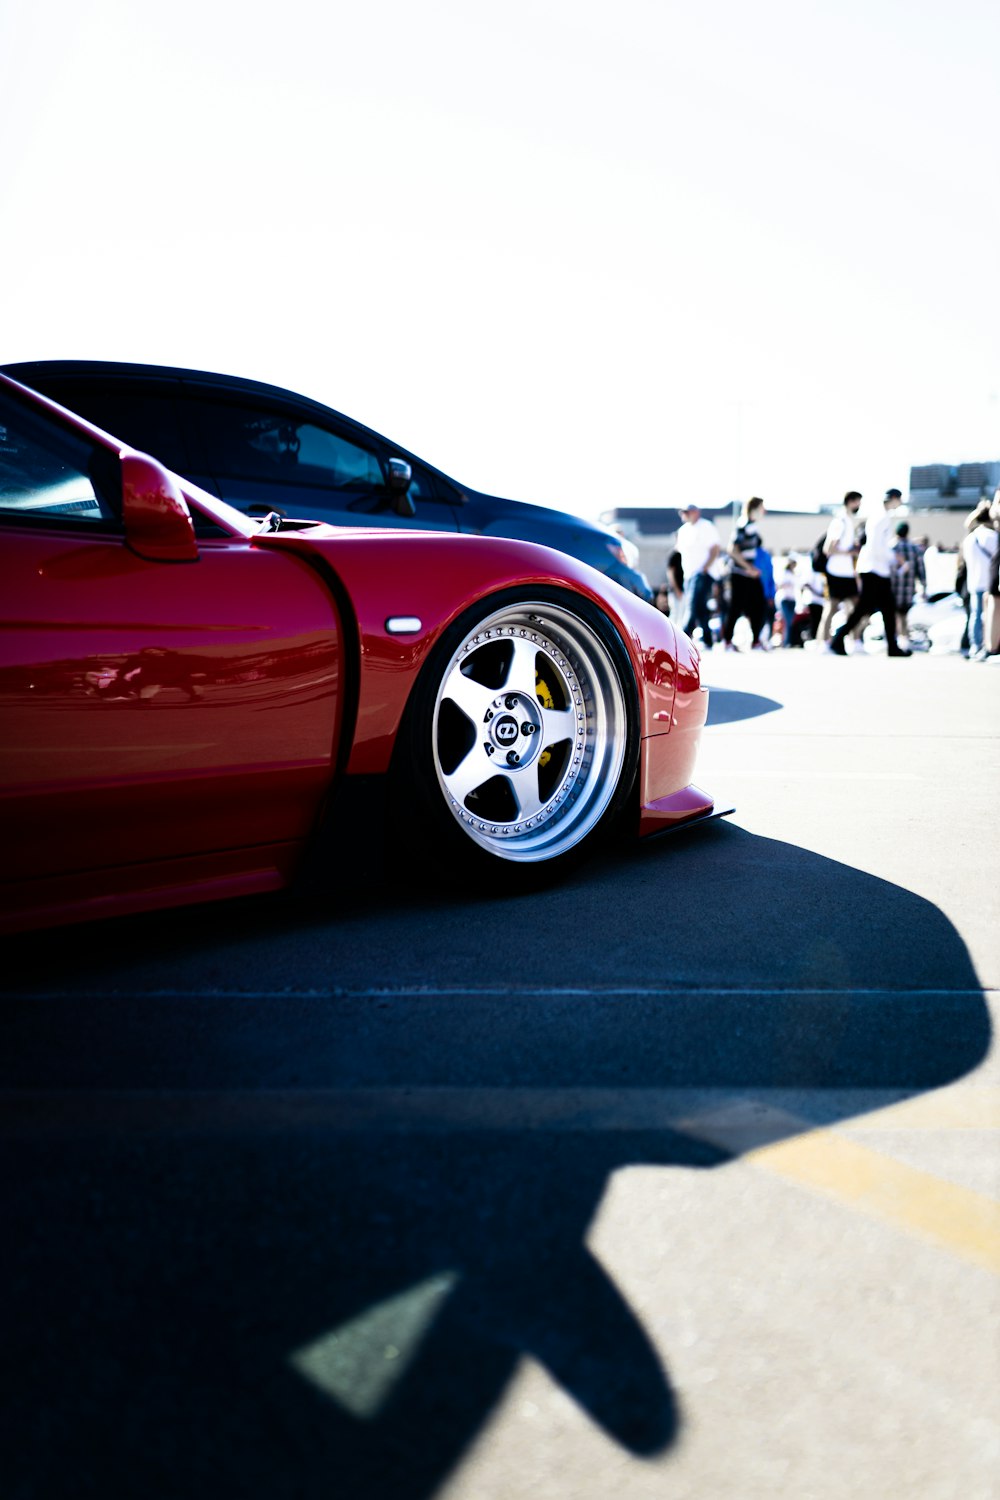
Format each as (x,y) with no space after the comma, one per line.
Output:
(398,477)
(157,521)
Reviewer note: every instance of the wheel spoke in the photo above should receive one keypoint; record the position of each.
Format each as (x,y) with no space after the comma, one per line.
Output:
(558,724)
(525,785)
(470,696)
(521,676)
(470,773)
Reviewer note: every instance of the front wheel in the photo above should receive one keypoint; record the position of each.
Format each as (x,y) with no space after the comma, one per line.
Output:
(521,740)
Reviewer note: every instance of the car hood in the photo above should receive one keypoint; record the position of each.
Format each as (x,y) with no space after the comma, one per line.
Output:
(499,518)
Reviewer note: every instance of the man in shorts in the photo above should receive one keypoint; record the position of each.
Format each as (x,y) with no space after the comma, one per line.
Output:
(875,575)
(841,549)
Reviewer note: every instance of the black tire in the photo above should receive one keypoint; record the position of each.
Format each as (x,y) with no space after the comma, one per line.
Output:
(520,742)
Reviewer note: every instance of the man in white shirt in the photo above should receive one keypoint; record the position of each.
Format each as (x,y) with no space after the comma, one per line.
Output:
(875,570)
(841,549)
(979,550)
(698,545)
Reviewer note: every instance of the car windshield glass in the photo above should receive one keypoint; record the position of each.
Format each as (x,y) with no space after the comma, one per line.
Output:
(45,471)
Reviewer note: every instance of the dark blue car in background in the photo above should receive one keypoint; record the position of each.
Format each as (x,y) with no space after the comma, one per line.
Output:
(265,449)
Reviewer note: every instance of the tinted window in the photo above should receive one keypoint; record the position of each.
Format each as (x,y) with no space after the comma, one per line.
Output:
(249,442)
(279,447)
(146,420)
(47,474)
(325,457)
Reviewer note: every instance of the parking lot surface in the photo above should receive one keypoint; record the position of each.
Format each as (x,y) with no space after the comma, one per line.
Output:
(679,1179)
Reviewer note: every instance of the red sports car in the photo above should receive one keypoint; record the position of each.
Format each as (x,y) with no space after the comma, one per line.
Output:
(186,693)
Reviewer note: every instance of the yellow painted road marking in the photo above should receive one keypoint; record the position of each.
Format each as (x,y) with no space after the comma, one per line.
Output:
(960,1220)
(963,1221)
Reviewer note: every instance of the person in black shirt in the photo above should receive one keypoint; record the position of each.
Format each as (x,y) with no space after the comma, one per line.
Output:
(746,591)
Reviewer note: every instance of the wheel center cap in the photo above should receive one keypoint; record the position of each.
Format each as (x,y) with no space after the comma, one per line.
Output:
(506,731)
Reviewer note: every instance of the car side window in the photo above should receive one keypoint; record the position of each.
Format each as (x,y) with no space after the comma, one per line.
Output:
(144,418)
(47,474)
(246,442)
(324,457)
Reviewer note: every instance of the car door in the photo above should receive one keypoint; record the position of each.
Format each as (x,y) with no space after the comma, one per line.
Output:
(265,455)
(151,711)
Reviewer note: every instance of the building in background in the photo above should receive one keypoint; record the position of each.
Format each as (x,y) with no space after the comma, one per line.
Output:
(952,486)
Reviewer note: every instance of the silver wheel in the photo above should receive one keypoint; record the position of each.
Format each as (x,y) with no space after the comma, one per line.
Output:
(530,731)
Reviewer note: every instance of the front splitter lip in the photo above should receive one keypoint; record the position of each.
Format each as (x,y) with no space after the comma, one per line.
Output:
(690,822)
(680,825)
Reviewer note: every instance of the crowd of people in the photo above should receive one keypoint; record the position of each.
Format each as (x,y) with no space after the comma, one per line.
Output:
(857,571)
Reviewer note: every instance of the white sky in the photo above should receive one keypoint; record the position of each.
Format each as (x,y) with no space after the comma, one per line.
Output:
(588,254)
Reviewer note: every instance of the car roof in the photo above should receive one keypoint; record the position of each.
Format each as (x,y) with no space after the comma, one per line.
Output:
(238,384)
(126,370)
(114,369)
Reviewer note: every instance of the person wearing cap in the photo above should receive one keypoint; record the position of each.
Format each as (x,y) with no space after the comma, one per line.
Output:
(875,572)
(698,545)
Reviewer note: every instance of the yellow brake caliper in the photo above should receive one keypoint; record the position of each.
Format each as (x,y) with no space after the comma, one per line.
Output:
(544,695)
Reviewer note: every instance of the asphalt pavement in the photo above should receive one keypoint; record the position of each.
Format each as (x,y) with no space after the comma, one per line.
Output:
(680,1179)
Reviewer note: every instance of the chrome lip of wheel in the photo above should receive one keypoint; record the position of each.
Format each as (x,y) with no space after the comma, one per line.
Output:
(513,729)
